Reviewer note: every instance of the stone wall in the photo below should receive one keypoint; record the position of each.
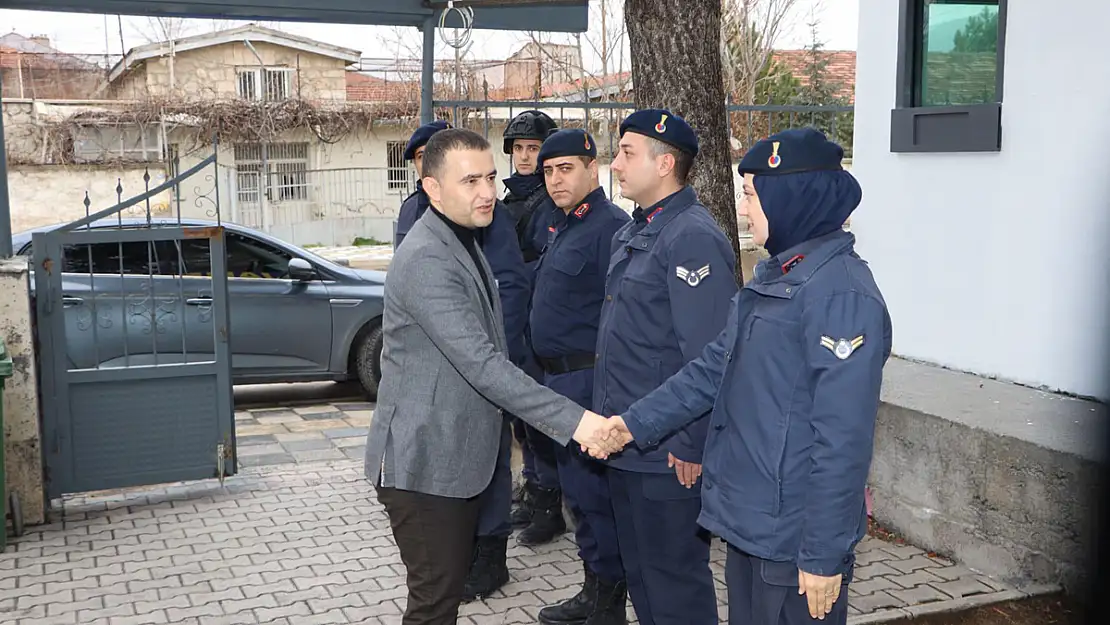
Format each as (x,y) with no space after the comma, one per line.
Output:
(996,476)
(22,444)
(210,73)
(22,135)
(43,195)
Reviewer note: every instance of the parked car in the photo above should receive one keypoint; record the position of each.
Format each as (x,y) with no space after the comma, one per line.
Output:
(295,316)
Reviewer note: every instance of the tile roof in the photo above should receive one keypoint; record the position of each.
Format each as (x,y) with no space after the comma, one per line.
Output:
(841,67)
(363,88)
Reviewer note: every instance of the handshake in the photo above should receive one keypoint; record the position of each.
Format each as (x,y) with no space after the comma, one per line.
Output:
(599,436)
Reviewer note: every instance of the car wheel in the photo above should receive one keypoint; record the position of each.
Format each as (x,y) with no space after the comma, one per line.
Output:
(368,361)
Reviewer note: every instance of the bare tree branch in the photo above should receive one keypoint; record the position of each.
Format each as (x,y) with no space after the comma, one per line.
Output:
(749,31)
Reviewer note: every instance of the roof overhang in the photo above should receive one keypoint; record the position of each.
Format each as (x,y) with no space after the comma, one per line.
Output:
(254,34)
(549,15)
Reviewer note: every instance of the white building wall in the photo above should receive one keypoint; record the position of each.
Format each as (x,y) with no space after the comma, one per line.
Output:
(997,263)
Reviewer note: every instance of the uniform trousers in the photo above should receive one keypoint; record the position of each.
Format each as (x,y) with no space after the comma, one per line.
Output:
(664,551)
(763,592)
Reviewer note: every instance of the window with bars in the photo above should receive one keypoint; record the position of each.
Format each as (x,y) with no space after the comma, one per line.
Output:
(286,171)
(269,84)
(142,144)
(397,167)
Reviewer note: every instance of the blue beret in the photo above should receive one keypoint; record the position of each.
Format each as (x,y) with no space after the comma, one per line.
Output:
(568,142)
(792,151)
(420,138)
(663,125)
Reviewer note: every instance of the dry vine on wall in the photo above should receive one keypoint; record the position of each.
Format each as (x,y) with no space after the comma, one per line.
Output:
(228,120)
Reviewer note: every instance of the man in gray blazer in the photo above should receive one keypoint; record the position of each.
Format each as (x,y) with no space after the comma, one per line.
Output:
(447,381)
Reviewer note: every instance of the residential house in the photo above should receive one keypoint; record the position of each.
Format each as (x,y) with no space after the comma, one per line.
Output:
(31,69)
(309,151)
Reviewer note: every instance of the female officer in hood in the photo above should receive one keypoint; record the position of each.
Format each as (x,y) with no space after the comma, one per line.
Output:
(793,382)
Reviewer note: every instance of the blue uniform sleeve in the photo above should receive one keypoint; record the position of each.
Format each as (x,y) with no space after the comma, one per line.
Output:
(701,278)
(847,343)
(406,217)
(514,281)
(688,394)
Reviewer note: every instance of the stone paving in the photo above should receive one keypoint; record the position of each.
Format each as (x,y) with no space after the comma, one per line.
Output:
(275,436)
(306,543)
(359,256)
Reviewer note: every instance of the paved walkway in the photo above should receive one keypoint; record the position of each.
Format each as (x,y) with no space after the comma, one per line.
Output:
(275,436)
(360,256)
(304,542)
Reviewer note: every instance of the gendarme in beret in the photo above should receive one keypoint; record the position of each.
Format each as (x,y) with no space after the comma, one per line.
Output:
(567,142)
(663,125)
(792,151)
(420,138)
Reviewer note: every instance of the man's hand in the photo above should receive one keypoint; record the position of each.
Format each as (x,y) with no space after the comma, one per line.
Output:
(821,592)
(688,472)
(599,436)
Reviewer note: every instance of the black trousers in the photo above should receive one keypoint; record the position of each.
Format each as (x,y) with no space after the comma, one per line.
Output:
(436,538)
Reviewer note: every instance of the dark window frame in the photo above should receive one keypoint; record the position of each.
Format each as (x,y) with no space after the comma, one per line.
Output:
(958,128)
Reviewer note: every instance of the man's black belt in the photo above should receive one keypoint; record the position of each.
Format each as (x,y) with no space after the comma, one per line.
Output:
(566,364)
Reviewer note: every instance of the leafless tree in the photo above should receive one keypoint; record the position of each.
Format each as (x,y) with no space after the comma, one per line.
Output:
(749,31)
(159,29)
(606,40)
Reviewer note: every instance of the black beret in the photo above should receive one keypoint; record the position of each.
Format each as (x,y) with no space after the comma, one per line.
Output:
(792,151)
(420,138)
(568,142)
(663,125)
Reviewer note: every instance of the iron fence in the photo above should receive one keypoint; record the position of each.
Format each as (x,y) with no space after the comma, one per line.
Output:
(747,124)
(318,206)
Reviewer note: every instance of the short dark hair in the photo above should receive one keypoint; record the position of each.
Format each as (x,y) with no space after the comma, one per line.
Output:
(444,141)
(683,161)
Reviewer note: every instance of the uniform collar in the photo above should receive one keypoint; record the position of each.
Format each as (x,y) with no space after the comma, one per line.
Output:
(663,211)
(588,204)
(523,186)
(797,264)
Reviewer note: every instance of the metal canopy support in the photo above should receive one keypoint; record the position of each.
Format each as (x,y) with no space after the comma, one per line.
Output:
(568,16)
(5,206)
(427,71)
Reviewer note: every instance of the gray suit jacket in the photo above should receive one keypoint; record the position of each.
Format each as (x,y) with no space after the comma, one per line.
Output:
(445,375)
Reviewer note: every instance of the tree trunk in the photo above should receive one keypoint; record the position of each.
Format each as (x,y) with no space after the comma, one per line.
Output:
(676,64)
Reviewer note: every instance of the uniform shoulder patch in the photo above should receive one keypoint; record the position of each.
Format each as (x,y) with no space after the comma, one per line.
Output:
(692,277)
(842,348)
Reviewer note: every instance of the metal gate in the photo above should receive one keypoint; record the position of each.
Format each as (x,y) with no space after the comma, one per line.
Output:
(132,321)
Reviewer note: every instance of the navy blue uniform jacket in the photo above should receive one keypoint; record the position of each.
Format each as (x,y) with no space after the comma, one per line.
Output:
(570,277)
(500,245)
(671,276)
(793,382)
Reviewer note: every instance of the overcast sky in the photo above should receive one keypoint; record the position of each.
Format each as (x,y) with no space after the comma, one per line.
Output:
(96,34)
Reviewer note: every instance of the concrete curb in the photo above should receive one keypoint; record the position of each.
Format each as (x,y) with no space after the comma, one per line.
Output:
(951,605)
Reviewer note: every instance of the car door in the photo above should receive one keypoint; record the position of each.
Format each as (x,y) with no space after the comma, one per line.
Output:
(118,309)
(280,328)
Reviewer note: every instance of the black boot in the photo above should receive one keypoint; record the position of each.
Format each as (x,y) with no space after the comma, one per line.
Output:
(577,609)
(547,518)
(598,603)
(488,569)
(612,605)
(521,514)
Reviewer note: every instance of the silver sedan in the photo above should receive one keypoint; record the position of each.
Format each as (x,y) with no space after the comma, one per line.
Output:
(295,316)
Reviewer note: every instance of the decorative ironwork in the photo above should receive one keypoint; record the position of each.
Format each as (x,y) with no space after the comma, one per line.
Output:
(151,312)
(209,201)
(104,314)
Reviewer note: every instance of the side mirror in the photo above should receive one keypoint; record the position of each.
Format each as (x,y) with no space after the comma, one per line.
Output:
(301,270)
